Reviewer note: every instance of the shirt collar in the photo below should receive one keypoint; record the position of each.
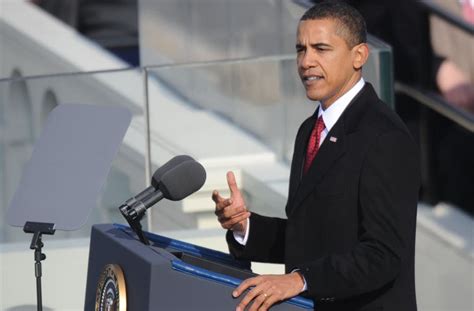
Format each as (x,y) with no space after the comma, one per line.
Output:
(333,112)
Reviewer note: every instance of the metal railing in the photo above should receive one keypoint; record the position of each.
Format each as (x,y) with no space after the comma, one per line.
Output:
(437,103)
(433,8)
(429,98)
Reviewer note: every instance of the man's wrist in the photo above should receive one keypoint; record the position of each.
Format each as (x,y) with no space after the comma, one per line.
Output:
(242,237)
(304,286)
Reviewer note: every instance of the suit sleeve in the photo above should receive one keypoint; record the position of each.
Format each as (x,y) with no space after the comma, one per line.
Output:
(388,196)
(266,242)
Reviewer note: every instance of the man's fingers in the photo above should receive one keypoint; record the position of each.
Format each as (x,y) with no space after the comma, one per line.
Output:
(230,211)
(267,290)
(244,286)
(256,296)
(223,216)
(221,206)
(232,183)
(216,197)
(269,301)
(247,299)
(229,223)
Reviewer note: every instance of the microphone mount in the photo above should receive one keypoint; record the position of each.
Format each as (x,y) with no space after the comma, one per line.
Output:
(133,210)
(133,218)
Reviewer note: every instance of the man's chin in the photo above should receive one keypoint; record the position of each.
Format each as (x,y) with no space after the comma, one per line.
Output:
(314,97)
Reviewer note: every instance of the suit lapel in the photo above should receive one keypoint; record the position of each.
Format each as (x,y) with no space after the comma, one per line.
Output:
(299,156)
(328,154)
(300,152)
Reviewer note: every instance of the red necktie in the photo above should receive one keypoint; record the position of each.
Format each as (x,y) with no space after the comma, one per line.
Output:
(313,144)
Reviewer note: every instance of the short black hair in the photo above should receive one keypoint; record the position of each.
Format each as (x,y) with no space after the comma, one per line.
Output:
(351,26)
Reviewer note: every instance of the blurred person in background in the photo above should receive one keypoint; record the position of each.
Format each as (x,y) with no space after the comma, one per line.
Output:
(455,152)
(458,46)
(113,24)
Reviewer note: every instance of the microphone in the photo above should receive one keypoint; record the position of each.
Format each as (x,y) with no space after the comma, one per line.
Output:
(156,178)
(177,160)
(175,184)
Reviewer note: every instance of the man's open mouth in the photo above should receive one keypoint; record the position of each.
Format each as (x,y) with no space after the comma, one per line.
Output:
(309,79)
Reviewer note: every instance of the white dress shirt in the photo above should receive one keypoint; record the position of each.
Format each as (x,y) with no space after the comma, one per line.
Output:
(333,112)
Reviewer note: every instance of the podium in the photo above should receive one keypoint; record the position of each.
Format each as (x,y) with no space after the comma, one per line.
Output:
(168,274)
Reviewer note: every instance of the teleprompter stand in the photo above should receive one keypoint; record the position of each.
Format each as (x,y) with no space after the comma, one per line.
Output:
(68,167)
(38,229)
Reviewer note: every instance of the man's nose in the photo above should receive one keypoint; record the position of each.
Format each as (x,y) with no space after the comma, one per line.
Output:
(308,60)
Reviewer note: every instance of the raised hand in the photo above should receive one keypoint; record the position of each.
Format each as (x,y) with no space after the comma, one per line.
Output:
(232,213)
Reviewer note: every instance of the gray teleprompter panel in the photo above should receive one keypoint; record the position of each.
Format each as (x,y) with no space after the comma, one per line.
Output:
(69,165)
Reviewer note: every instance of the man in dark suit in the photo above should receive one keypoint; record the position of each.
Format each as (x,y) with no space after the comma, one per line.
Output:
(349,239)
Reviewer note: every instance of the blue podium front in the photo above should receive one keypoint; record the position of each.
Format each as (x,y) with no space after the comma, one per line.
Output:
(166,275)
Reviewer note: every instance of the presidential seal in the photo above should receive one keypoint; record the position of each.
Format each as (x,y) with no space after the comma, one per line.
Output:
(111,293)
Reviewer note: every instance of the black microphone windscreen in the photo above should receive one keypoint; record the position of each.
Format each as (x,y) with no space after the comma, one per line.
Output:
(175,161)
(182,180)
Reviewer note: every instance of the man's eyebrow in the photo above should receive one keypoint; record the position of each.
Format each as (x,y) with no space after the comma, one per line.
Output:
(321,45)
(317,45)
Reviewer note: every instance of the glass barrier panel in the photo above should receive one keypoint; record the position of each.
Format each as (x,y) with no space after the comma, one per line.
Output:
(379,70)
(24,106)
(184,31)
(178,31)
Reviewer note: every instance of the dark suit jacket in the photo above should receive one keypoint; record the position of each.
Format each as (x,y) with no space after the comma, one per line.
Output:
(352,218)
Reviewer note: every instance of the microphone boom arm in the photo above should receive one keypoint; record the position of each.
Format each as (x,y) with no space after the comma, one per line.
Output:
(134,222)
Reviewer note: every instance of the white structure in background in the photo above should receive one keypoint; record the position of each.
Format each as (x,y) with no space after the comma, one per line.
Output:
(445,255)
(37,96)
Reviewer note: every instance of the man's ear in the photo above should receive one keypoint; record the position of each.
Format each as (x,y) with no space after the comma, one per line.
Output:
(360,53)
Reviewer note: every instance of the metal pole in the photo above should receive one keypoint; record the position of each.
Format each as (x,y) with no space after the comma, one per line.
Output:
(39,256)
(147,143)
